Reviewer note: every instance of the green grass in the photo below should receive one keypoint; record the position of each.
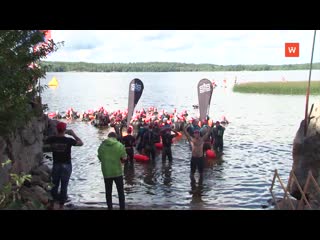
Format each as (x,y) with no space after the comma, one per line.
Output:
(287,88)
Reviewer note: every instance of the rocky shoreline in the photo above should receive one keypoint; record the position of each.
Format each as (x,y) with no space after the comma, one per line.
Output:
(36,192)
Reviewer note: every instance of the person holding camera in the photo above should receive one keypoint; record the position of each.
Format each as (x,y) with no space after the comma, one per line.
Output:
(62,167)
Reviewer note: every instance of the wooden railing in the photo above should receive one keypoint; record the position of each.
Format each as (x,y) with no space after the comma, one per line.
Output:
(303,202)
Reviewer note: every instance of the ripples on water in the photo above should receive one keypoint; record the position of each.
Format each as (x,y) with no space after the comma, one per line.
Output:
(257,141)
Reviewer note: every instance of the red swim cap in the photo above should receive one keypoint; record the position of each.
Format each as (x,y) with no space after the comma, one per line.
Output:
(61,126)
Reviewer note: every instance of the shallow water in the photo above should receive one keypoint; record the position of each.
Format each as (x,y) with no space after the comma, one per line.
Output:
(257,141)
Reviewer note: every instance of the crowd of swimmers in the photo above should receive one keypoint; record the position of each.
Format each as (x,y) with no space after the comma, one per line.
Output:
(100,117)
(148,130)
(149,127)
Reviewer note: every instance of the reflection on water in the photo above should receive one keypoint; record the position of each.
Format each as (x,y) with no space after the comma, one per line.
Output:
(196,192)
(257,141)
(53,87)
(166,173)
(128,171)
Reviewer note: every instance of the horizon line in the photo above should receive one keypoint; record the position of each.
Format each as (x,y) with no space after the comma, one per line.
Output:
(180,63)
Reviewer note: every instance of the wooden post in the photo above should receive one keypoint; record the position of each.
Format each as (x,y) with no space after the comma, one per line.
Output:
(271,188)
(286,195)
(301,191)
(314,181)
(274,178)
(306,186)
(308,88)
(285,191)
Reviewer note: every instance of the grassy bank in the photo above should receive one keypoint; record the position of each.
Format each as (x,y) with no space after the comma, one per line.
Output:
(288,88)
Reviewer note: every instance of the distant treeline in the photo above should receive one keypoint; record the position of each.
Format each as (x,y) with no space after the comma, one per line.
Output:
(164,67)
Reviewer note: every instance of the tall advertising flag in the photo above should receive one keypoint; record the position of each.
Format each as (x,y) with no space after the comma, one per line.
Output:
(135,91)
(205,90)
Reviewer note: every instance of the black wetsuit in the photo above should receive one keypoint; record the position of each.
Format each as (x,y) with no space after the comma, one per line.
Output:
(148,144)
(141,132)
(129,142)
(167,142)
(218,138)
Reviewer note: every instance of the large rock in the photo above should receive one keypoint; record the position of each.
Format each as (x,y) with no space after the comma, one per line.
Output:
(28,134)
(40,194)
(27,158)
(24,148)
(44,176)
(45,168)
(3,145)
(37,180)
(4,175)
(306,155)
(35,193)
(314,124)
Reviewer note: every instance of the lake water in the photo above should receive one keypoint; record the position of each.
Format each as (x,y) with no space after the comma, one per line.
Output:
(257,141)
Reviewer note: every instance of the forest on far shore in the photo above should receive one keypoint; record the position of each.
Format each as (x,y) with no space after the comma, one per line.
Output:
(164,67)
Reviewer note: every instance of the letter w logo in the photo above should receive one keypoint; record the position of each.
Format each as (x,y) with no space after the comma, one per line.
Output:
(292,49)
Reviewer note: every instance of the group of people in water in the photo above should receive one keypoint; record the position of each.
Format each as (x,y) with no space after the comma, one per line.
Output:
(202,136)
(147,130)
(100,117)
(151,120)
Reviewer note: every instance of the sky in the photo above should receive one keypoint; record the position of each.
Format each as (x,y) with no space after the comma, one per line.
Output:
(221,47)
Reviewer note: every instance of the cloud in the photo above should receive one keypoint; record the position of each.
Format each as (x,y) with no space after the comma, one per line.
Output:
(222,47)
(157,35)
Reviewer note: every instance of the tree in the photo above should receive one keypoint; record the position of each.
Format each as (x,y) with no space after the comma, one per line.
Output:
(20,54)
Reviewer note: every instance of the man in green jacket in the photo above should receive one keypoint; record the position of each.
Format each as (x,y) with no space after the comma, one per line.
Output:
(110,153)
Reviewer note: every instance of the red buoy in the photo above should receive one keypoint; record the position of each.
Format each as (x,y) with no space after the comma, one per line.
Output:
(210,154)
(159,145)
(52,115)
(141,158)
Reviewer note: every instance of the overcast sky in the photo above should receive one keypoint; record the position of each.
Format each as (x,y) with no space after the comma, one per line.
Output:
(186,46)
